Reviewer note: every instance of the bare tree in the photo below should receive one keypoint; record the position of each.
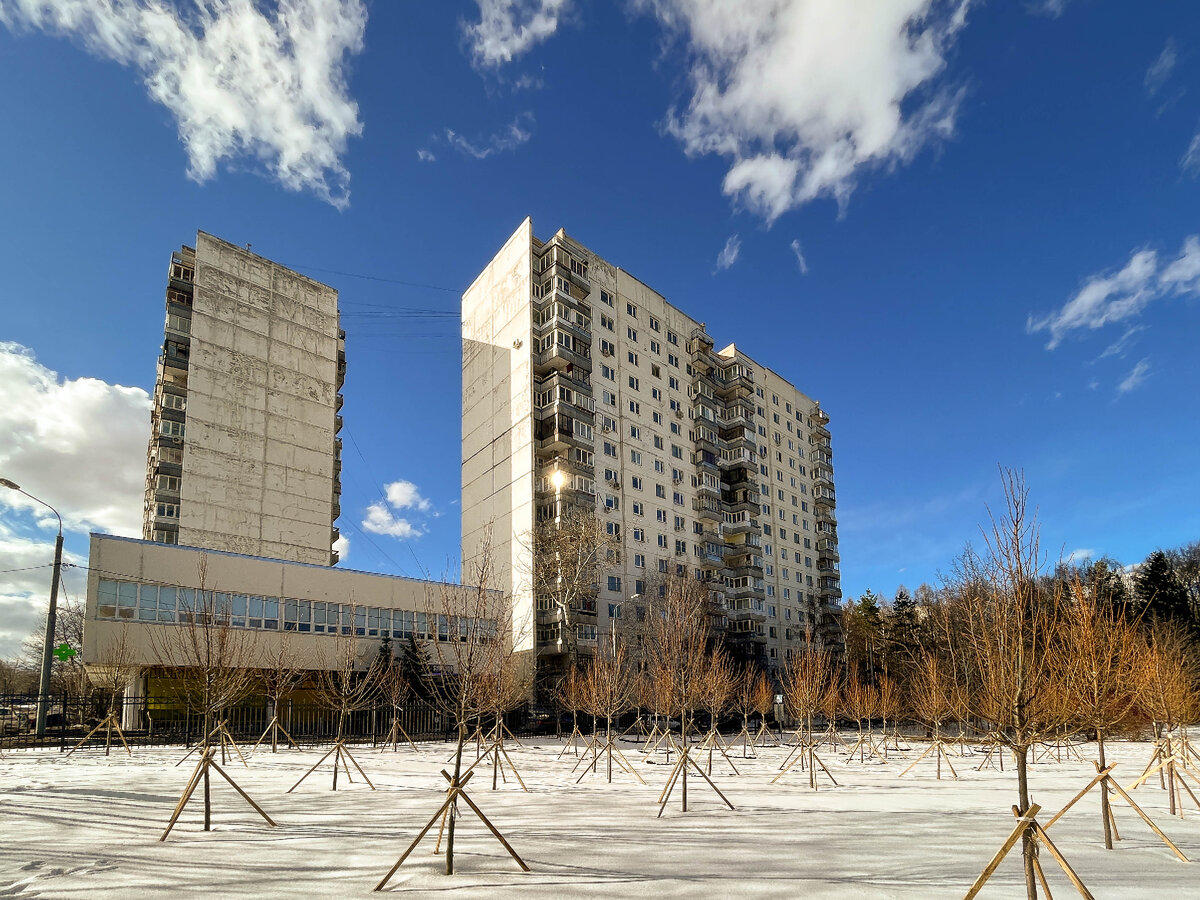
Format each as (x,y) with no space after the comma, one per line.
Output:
(607,690)
(931,694)
(115,664)
(717,687)
(1167,691)
(679,660)
(570,552)
(1102,670)
(806,683)
(210,661)
(473,640)
(754,695)
(280,676)
(347,682)
(396,691)
(1015,633)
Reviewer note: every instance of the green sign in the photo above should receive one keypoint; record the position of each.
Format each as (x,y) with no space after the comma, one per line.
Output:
(64,651)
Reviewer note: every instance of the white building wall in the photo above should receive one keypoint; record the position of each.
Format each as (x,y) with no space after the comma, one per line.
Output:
(497,435)
(258,463)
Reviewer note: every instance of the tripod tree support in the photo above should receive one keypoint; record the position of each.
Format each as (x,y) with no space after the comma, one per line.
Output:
(201,776)
(456,791)
(1025,823)
(1104,777)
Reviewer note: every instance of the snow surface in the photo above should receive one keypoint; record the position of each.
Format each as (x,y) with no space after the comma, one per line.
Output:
(88,826)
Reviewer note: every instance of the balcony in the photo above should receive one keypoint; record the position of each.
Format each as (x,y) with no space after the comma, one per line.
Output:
(563,359)
(737,383)
(738,523)
(825,497)
(337,424)
(707,510)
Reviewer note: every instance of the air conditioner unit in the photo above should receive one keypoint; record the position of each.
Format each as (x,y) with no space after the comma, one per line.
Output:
(606,429)
(678,412)
(679,481)
(605,352)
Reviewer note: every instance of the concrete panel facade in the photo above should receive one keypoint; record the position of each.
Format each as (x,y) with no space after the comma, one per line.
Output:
(497,439)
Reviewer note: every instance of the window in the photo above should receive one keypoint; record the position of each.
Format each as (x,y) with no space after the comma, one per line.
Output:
(673,383)
(168,483)
(676,428)
(606,322)
(609,398)
(658,442)
(672,338)
(636,482)
(657,417)
(170,428)
(639,560)
(635,457)
(656,394)
(167,511)
(678,498)
(677,451)
(639,535)
(673,360)
(631,333)
(606,372)
(662,540)
(174,401)
(612,528)
(606,348)
(633,358)
(653,324)
(614,582)
(631,309)
(606,298)
(610,449)
(660,491)
(660,467)
(635,431)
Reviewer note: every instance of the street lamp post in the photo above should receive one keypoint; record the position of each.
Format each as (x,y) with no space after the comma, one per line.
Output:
(48,644)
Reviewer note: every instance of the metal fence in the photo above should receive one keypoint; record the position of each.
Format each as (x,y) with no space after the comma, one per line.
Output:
(154,721)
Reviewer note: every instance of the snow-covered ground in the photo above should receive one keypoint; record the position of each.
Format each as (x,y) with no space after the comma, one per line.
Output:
(88,826)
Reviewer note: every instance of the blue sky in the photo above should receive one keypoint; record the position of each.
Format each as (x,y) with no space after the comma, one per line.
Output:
(970,230)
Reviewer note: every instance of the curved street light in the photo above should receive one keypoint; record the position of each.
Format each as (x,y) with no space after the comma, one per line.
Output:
(48,643)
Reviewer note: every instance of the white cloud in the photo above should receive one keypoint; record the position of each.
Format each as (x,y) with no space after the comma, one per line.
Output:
(1081,554)
(400,495)
(801,96)
(1160,70)
(242,83)
(800,260)
(729,253)
(1051,8)
(1190,162)
(405,495)
(1105,299)
(509,138)
(426,156)
(342,547)
(1136,378)
(508,28)
(79,444)
(1121,345)
(381,520)
(25,593)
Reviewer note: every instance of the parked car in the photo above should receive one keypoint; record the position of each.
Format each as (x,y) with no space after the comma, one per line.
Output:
(548,723)
(54,718)
(11,720)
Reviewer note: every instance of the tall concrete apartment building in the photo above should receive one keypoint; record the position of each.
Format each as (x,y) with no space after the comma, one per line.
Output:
(583,385)
(244,455)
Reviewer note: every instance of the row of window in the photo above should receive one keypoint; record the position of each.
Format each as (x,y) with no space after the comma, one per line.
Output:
(164,603)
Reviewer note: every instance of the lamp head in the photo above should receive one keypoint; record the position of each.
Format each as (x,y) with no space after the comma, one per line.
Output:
(11,485)
(558,479)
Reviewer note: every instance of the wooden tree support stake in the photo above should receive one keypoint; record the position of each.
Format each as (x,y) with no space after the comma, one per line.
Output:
(456,791)
(679,774)
(110,723)
(200,774)
(1028,822)
(340,753)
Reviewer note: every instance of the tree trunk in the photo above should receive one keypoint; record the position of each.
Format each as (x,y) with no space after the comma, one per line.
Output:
(1105,814)
(1028,847)
(453,811)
